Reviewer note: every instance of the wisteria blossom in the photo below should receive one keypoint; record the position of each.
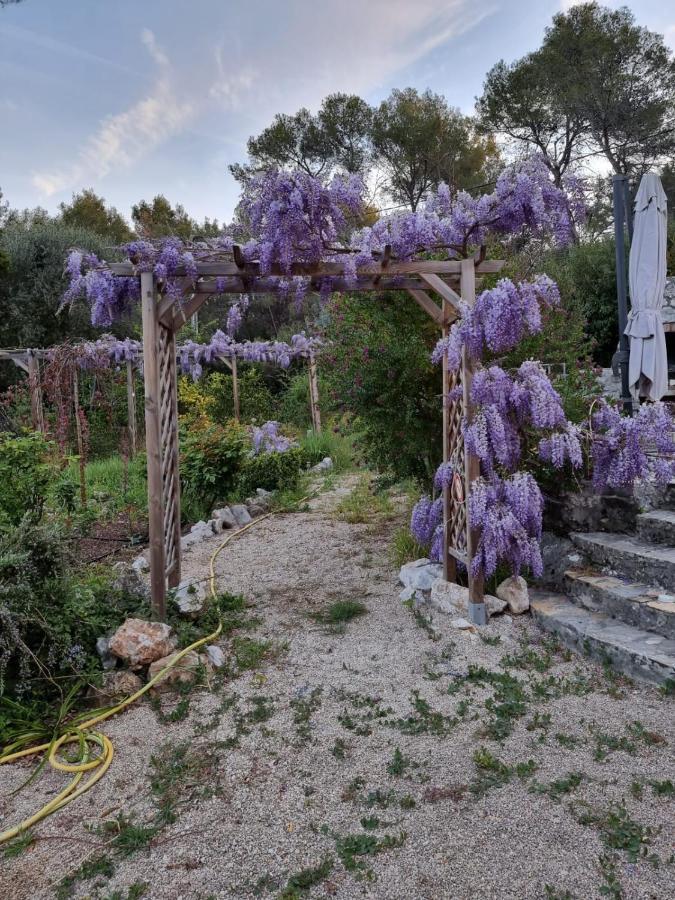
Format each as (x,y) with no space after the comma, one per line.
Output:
(192,355)
(266,439)
(426,519)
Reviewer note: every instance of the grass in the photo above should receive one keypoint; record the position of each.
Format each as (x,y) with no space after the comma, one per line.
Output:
(303,709)
(301,882)
(113,486)
(339,447)
(404,548)
(361,505)
(336,616)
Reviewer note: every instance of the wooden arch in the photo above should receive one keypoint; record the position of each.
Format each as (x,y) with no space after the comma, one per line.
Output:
(438,286)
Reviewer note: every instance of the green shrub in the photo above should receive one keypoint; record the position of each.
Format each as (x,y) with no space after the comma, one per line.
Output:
(318,446)
(256,402)
(295,401)
(211,457)
(25,472)
(272,471)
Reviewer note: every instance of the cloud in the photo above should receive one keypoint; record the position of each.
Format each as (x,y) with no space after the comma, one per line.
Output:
(124,138)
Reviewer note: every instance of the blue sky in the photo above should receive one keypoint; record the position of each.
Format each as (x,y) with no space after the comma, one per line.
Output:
(140,97)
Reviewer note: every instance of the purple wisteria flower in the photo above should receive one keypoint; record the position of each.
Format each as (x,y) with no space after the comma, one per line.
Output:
(266,439)
(427,515)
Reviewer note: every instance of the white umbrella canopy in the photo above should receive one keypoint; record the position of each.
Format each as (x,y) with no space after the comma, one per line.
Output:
(648,365)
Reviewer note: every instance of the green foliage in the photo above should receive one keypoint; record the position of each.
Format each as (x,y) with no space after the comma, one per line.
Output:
(87,210)
(336,616)
(378,367)
(211,457)
(319,445)
(271,471)
(404,547)
(256,402)
(25,472)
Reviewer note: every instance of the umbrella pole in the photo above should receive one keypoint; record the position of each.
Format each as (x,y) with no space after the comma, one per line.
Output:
(619,202)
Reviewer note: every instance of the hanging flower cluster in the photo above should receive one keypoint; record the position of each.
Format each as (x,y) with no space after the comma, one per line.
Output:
(192,355)
(624,448)
(266,439)
(293,219)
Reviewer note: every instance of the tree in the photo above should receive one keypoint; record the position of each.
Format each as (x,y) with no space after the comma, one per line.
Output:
(523,102)
(419,141)
(337,138)
(620,80)
(87,210)
(160,219)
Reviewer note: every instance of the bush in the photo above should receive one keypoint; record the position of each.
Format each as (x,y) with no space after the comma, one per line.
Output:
(211,457)
(25,472)
(272,471)
(378,366)
(256,401)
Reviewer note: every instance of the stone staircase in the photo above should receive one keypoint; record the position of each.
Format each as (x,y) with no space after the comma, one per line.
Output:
(620,606)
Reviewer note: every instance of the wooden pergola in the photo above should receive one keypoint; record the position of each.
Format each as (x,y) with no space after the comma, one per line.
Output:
(437,286)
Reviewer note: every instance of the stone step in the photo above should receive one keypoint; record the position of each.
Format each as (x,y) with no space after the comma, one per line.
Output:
(629,556)
(657,527)
(633,603)
(641,655)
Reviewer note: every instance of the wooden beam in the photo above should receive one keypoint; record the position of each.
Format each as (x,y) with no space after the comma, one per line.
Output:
(80,438)
(131,408)
(409,267)
(449,562)
(235,388)
(451,298)
(314,394)
(153,443)
(32,366)
(427,304)
(477,611)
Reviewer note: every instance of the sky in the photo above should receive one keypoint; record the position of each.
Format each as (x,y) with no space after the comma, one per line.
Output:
(139,97)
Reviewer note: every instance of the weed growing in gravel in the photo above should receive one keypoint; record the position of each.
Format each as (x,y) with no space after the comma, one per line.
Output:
(404,548)
(18,845)
(399,763)
(618,831)
(425,721)
(422,621)
(136,890)
(491,640)
(350,847)
(94,867)
(249,653)
(508,704)
(340,749)
(559,787)
(303,709)
(667,689)
(336,616)
(491,772)
(300,882)
(568,741)
(454,792)
(551,893)
(180,772)
(611,886)
(367,710)
(664,788)
(528,659)
(361,505)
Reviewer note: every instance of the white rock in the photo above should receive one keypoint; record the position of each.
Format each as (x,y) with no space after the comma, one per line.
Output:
(448,597)
(190,598)
(462,624)
(108,660)
(140,565)
(325,464)
(420,574)
(241,515)
(513,591)
(224,518)
(215,655)
(409,593)
(198,533)
(263,494)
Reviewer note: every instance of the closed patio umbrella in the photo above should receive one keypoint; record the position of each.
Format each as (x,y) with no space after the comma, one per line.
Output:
(648,365)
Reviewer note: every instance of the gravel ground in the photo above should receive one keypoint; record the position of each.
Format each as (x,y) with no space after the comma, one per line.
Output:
(352,755)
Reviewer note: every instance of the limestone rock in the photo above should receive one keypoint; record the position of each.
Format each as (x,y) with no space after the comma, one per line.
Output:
(108,660)
(183,672)
(215,656)
(128,579)
(139,643)
(116,686)
(263,494)
(558,555)
(241,515)
(420,574)
(190,598)
(199,532)
(409,593)
(462,624)
(323,466)
(453,598)
(513,591)
(140,565)
(224,518)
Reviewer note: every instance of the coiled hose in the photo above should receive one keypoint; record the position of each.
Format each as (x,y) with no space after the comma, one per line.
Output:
(90,740)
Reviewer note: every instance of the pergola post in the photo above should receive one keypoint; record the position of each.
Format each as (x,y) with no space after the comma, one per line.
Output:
(131,408)
(449,561)
(35,388)
(314,394)
(161,441)
(79,436)
(477,612)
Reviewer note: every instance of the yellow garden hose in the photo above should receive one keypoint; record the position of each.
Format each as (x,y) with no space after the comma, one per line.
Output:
(83,735)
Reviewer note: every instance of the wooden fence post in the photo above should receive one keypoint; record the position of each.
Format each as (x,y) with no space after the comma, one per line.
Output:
(477,611)
(235,387)
(131,408)
(35,388)
(80,436)
(449,561)
(153,443)
(314,394)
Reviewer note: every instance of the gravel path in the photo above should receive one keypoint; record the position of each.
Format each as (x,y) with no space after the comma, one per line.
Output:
(363,762)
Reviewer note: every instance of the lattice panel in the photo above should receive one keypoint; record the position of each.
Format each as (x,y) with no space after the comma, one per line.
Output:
(169,449)
(457,516)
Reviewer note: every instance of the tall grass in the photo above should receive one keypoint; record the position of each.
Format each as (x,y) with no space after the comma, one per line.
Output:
(339,447)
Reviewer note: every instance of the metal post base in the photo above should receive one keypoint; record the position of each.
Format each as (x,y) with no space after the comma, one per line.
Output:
(477,613)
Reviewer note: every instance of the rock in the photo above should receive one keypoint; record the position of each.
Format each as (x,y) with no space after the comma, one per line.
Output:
(224,518)
(448,597)
(140,565)
(263,494)
(513,591)
(462,624)
(183,672)
(255,508)
(420,574)
(116,686)
(198,533)
(558,555)
(241,515)
(215,656)
(325,464)
(190,598)
(108,660)
(139,642)
(128,580)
